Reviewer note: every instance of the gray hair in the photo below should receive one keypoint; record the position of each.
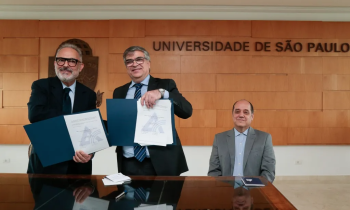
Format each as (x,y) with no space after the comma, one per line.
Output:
(72,46)
(136,48)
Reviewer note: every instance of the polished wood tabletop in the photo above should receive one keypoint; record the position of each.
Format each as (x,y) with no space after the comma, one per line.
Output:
(22,191)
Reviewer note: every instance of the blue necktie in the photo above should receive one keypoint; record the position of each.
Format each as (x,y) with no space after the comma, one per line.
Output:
(140,195)
(139,151)
(67,103)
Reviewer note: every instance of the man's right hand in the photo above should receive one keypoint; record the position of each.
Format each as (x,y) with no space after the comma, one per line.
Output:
(149,98)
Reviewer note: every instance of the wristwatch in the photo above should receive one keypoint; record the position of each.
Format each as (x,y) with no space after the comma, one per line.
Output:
(162,91)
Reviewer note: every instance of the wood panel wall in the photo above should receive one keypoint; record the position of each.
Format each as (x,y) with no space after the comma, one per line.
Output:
(301,98)
(15,192)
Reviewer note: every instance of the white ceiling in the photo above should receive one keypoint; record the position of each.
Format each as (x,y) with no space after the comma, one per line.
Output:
(295,3)
(313,10)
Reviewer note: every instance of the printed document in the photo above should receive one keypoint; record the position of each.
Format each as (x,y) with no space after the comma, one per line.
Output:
(153,125)
(91,203)
(154,207)
(86,132)
(115,179)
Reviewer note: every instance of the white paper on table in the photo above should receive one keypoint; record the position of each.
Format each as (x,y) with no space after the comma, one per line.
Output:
(153,125)
(119,177)
(91,203)
(151,207)
(108,182)
(149,144)
(86,132)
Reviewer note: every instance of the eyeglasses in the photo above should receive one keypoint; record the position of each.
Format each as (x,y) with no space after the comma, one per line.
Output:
(138,60)
(71,61)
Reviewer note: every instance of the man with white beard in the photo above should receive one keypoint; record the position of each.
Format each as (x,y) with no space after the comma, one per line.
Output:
(61,95)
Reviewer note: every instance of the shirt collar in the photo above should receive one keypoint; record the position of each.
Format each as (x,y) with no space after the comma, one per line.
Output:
(237,133)
(72,87)
(144,82)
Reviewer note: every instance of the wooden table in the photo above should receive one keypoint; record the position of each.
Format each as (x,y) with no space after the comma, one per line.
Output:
(22,191)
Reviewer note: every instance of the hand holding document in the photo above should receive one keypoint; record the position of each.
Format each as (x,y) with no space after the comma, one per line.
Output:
(122,115)
(86,132)
(115,179)
(57,139)
(153,125)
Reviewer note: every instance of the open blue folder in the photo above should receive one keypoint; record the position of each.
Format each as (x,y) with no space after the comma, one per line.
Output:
(51,141)
(122,115)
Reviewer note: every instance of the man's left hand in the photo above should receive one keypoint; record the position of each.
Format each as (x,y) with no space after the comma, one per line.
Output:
(149,98)
(81,157)
(81,193)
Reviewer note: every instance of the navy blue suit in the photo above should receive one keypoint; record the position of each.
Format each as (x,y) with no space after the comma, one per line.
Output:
(169,160)
(46,102)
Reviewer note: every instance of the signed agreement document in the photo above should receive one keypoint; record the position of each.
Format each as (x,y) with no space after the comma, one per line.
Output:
(86,132)
(91,203)
(153,125)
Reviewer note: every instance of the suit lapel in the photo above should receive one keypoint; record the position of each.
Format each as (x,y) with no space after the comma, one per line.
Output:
(78,97)
(248,145)
(57,91)
(152,84)
(230,139)
(124,90)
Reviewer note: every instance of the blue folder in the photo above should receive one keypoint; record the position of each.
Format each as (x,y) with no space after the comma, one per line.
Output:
(252,182)
(51,141)
(121,115)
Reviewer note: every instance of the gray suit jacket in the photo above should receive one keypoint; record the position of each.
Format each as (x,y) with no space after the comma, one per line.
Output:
(259,157)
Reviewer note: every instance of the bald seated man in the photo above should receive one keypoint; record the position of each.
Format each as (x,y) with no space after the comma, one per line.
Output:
(243,151)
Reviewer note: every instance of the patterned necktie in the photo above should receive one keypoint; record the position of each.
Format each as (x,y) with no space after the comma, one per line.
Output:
(140,195)
(139,151)
(67,103)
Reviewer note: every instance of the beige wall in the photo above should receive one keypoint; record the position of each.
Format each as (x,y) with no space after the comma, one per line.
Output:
(300,97)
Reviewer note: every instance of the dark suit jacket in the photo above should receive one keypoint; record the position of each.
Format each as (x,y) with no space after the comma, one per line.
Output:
(161,192)
(169,160)
(57,193)
(46,102)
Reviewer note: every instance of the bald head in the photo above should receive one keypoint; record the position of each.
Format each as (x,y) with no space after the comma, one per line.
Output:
(242,114)
(251,105)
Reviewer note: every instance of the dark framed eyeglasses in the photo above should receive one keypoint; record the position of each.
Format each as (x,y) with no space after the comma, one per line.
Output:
(138,60)
(72,62)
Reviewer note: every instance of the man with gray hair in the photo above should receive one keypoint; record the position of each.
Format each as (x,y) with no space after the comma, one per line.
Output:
(150,160)
(61,95)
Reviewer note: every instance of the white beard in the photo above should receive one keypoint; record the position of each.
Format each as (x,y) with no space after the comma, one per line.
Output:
(64,77)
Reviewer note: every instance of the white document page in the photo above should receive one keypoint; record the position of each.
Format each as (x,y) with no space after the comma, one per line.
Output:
(153,125)
(108,182)
(119,177)
(91,203)
(151,207)
(86,132)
